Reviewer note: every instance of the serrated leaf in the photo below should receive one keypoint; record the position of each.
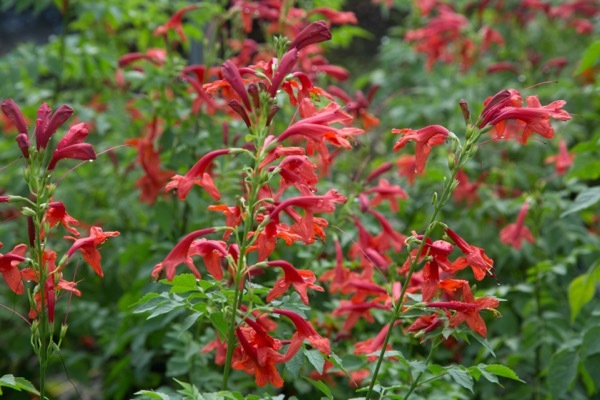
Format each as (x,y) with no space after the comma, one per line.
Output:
(321,386)
(26,385)
(315,357)
(8,380)
(562,371)
(500,370)
(461,377)
(584,199)
(581,291)
(590,344)
(152,395)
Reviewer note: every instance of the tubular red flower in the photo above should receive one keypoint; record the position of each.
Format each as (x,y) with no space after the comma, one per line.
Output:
(304,330)
(563,160)
(316,32)
(88,247)
(425,139)
(46,126)
(57,214)
(302,280)
(174,23)
(180,255)
(287,62)
(13,112)
(211,252)
(480,263)
(9,270)
(197,175)
(233,77)
(514,234)
(313,204)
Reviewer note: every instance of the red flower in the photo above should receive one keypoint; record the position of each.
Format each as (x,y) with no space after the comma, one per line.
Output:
(372,345)
(9,270)
(302,280)
(71,146)
(54,283)
(174,23)
(514,234)
(89,247)
(45,125)
(468,311)
(180,255)
(385,191)
(355,311)
(510,121)
(233,217)
(57,214)
(316,32)
(211,252)
(407,167)
(197,175)
(259,355)
(480,263)
(13,112)
(425,139)
(304,330)
(563,160)
(435,39)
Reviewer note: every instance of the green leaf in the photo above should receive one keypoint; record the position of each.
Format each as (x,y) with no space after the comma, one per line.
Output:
(316,359)
(321,386)
(183,283)
(460,376)
(149,394)
(189,321)
(590,344)
(294,365)
(584,199)
(219,323)
(500,370)
(562,371)
(591,57)
(17,383)
(581,291)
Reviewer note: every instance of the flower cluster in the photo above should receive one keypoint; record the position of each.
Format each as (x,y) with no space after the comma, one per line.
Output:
(44,213)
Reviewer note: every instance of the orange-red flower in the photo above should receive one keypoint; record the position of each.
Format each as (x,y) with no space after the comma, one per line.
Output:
(480,263)
(425,139)
(57,214)
(89,247)
(304,330)
(197,175)
(259,355)
(174,23)
(9,270)
(514,234)
(301,280)
(180,255)
(563,160)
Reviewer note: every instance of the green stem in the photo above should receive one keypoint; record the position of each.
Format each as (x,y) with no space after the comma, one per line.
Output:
(415,382)
(242,263)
